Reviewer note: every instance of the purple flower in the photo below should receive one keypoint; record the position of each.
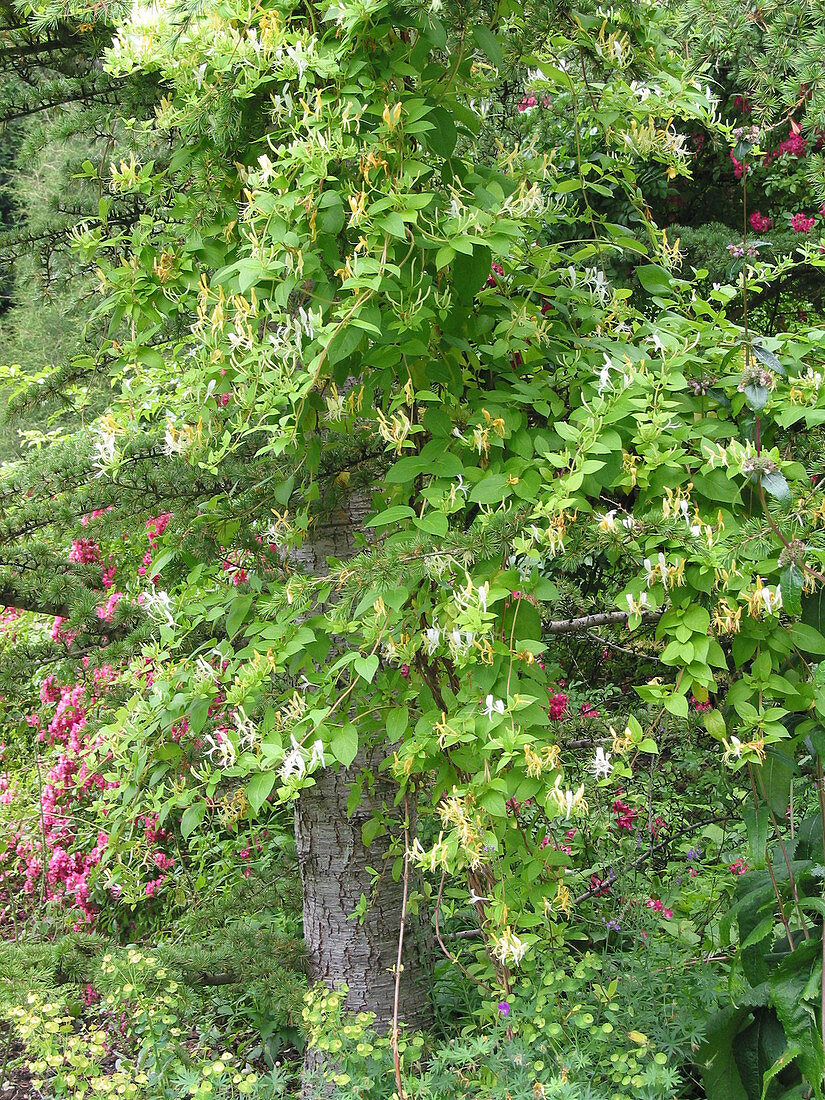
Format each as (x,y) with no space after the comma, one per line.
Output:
(694,853)
(612,926)
(504,1008)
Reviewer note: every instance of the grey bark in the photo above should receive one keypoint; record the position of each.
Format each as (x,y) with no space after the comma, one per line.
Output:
(334,861)
(334,874)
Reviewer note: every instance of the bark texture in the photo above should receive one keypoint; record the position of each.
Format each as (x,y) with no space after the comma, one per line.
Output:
(333,860)
(334,874)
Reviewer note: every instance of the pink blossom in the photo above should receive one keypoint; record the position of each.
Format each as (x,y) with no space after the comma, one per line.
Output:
(801,223)
(760,222)
(107,612)
(85,551)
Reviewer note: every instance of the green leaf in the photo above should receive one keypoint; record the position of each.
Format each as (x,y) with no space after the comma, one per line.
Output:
(488,42)
(391,515)
(654,279)
(790,984)
(715,724)
(192,818)
(471,272)
(720,1074)
(344,744)
(494,803)
(237,613)
(774,779)
(807,639)
(366,667)
(442,138)
(757,821)
(792,580)
(768,359)
(776,486)
(343,344)
(397,721)
(371,829)
(198,713)
(393,224)
(259,788)
(756,397)
(490,490)
(760,932)
(434,523)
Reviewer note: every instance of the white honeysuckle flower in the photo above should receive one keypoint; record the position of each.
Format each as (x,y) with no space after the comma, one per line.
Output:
(636,607)
(247,733)
(293,763)
(493,706)
(223,750)
(159,606)
(604,376)
(458,486)
(483,593)
(106,447)
(601,766)
(772,602)
(461,640)
(432,638)
(508,948)
(316,758)
(607,522)
(566,800)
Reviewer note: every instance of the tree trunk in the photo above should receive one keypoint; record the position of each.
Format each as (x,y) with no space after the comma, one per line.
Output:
(334,862)
(343,949)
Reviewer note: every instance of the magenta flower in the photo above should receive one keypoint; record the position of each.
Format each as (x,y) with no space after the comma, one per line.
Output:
(801,223)
(760,222)
(504,1008)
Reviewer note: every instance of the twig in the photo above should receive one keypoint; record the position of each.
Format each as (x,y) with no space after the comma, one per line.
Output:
(599,618)
(396,1059)
(448,954)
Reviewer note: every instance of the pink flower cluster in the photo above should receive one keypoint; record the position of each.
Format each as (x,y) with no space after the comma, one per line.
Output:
(760,222)
(156,526)
(625,815)
(154,529)
(559,703)
(530,100)
(96,514)
(107,613)
(53,857)
(700,707)
(8,615)
(738,867)
(58,634)
(658,907)
(495,270)
(237,572)
(795,145)
(739,167)
(84,551)
(801,223)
